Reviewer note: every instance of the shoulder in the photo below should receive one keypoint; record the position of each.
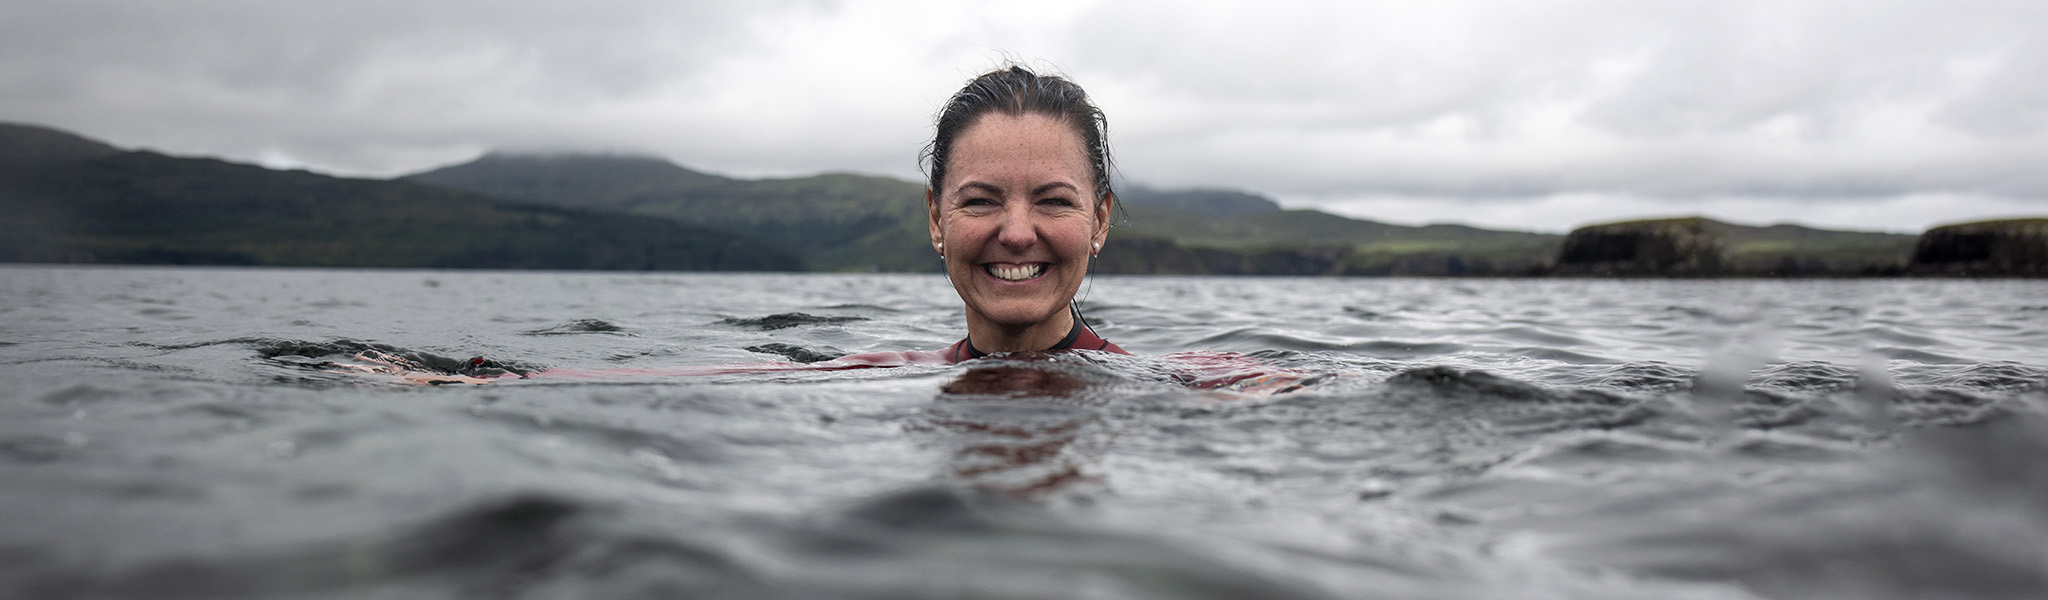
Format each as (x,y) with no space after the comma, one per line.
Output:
(1089,341)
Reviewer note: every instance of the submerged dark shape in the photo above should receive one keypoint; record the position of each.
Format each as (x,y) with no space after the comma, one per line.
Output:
(788,320)
(1022,427)
(1016,380)
(487,546)
(931,508)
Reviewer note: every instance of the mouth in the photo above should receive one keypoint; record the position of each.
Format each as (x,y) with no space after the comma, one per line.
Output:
(1014,272)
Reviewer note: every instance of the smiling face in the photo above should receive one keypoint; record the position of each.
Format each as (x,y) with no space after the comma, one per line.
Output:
(1016,220)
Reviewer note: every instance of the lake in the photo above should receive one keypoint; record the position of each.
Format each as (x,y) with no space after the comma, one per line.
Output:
(190,433)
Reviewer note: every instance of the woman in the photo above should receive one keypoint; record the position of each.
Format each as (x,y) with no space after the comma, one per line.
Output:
(1019,200)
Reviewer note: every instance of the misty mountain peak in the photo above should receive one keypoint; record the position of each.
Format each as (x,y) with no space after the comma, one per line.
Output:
(24,143)
(554,177)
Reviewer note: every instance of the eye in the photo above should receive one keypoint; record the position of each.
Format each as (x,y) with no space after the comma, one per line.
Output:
(1055,201)
(978,202)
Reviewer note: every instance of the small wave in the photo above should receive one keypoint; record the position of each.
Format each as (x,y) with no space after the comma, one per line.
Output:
(1521,406)
(1261,338)
(1768,409)
(1805,376)
(192,345)
(1780,449)
(38,448)
(865,307)
(1632,377)
(1459,382)
(1560,355)
(1915,354)
(579,326)
(1364,314)
(295,352)
(1536,335)
(622,439)
(1942,407)
(1606,451)
(1990,377)
(788,320)
(798,353)
(487,545)
(966,545)
(1897,335)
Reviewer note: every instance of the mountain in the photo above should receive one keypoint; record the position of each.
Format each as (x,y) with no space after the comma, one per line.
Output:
(1212,203)
(71,199)
(855,222)
(834,222)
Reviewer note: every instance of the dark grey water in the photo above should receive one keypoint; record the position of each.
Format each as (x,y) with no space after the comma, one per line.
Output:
(170,433)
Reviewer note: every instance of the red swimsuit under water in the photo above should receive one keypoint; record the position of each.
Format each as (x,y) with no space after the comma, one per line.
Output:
(1080,338)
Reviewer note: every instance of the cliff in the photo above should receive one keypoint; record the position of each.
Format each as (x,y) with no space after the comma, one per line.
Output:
(1685,247)
(1701,247)
(2003,248)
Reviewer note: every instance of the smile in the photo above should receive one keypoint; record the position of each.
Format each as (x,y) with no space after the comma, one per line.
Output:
(1015,273)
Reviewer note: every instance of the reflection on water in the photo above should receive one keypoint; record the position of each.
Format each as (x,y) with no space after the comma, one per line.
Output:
(1026,429)
(180,433)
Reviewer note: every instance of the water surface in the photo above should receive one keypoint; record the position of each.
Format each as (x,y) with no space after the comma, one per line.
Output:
(179,433)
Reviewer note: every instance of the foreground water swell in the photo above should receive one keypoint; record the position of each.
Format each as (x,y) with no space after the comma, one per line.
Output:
(175,433)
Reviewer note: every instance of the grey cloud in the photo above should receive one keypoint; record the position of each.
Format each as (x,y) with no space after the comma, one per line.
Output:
(1671,99)
(1479,100)
(345,82)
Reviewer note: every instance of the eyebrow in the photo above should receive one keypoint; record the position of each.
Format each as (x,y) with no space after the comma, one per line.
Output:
(1057,184)
(991,188)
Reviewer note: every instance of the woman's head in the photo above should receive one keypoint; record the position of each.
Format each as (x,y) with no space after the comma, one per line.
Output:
(1017,91)
(1019,201)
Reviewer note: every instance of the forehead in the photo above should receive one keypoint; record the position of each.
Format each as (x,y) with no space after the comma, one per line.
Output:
(1021,149)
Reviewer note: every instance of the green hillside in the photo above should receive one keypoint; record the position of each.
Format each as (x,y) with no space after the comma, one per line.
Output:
(70,199)
(74,200)
(835,221)
(856,222)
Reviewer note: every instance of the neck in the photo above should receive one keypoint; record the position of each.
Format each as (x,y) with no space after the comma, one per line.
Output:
(991,337)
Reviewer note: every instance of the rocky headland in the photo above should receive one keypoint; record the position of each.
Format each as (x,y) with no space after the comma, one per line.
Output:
(1702,247)
(2002,248)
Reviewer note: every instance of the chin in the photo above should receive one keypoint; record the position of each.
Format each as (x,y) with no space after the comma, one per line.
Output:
(1021,316)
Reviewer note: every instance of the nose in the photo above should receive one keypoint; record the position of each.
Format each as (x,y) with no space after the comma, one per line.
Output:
(1017,232)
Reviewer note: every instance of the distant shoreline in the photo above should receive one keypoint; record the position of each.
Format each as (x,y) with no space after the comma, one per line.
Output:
(74,200)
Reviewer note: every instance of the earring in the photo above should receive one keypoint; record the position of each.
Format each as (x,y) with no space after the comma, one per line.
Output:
(941,247)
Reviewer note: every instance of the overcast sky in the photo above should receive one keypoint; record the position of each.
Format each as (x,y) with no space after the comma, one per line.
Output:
(1535,115)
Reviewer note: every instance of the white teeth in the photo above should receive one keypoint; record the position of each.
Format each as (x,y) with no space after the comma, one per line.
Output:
(1019,273)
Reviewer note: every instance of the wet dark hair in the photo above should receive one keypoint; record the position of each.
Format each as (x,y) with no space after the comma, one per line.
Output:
(1016,91)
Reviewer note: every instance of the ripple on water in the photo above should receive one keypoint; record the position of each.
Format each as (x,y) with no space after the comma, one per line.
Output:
(788,320)
(1481,439)
(580,326)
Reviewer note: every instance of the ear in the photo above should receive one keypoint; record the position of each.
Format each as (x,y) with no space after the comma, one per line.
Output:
(931,210)
(1102,212)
